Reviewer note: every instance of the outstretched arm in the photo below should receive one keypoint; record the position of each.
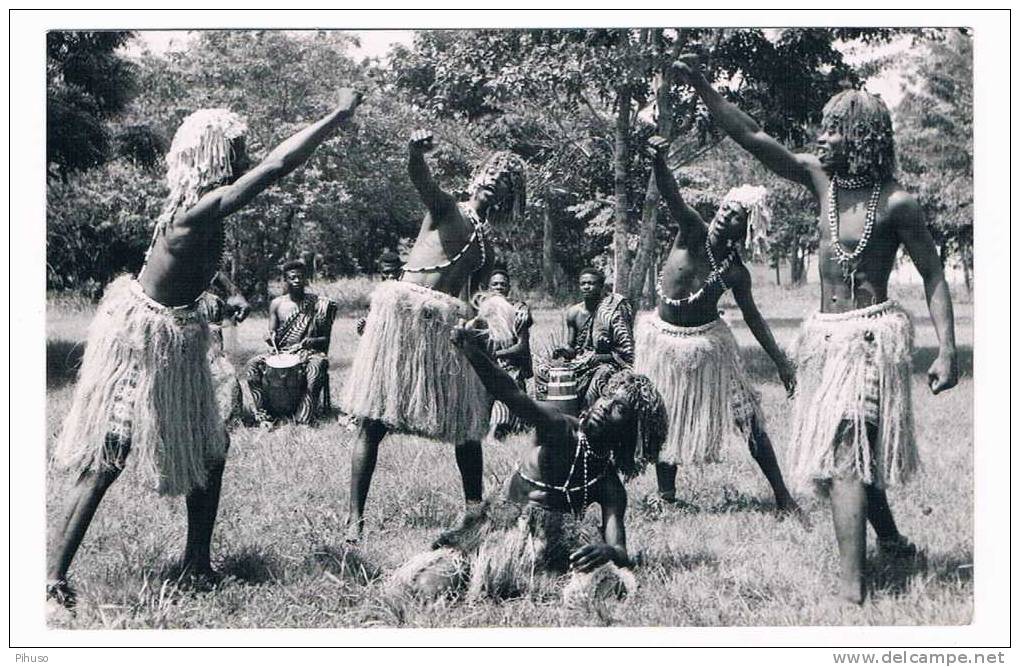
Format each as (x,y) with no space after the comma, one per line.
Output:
(436,200)
(906,212)
(613,502)
(741,284)
(499,383)
(692,228)
(282,160)
(745,131)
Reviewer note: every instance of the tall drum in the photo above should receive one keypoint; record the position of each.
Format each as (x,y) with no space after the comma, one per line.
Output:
(562,389)
(284,383)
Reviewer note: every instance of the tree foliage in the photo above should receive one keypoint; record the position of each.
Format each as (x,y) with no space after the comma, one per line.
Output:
(935,141)
(87,83)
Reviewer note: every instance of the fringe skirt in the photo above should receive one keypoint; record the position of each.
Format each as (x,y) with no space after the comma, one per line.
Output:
(708,396)
(853,370)
(406,372)
(145,381)
(507,549)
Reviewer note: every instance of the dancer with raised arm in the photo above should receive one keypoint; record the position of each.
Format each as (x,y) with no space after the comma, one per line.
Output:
(406,376)
(689,352)
(853,419)
(144,386)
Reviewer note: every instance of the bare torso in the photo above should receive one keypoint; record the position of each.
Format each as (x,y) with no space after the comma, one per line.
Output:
(549,461)
(871,278)
(438,242)
(182,263)
(683,274)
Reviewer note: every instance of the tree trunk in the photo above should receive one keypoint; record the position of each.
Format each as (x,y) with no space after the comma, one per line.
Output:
(621,254)
(797,266)
(548,231)
(649,212)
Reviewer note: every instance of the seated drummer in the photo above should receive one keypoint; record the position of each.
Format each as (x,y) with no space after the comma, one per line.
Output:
(601,338)
(299,323)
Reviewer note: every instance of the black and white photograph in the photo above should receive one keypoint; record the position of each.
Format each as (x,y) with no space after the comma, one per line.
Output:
(666,323)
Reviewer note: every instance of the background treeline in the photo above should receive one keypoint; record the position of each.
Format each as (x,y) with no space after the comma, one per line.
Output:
(577,104)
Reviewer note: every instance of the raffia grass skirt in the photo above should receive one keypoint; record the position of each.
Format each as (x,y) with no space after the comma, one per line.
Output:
(406,372)
(708,396)
(507,549)
(853,369)
(145,378)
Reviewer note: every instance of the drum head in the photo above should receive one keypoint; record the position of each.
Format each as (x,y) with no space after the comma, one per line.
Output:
(283,360)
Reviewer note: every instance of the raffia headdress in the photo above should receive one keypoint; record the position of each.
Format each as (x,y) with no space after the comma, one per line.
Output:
(754,200)
(509,167)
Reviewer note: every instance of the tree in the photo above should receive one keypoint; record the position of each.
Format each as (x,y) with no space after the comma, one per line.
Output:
(87,84)
(617,79)
(934,139)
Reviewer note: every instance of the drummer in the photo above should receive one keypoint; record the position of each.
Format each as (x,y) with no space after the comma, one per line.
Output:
(600,338)
(299,323)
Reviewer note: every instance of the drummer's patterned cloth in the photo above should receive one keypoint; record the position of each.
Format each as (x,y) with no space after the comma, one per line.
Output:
(312,320)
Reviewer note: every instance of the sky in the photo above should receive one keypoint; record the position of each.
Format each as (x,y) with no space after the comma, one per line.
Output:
(375,43)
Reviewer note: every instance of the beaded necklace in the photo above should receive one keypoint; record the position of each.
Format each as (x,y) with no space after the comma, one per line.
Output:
(582,452)
(848,261)
(477,233)
(718,270)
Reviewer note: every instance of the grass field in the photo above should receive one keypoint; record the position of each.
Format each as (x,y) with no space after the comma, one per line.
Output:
(725,562)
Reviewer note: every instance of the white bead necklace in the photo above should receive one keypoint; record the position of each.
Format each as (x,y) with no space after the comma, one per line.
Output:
(718,270)
(848,261)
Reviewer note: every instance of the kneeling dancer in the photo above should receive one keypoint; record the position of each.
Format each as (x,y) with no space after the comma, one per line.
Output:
(145,386)
(690,354)
(406,376)
(531,530)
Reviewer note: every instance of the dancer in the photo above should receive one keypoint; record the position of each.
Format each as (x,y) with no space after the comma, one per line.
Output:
(690,354)
(144,386)
(853,419)
(406,377)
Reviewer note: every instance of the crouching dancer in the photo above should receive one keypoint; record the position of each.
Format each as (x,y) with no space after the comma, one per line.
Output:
(532,529)
(145,386)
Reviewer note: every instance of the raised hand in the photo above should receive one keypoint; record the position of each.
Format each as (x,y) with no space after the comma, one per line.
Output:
(688,68)
(657,148)
(421,141)
(349,99)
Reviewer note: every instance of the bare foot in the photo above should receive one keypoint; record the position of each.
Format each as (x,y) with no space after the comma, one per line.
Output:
(354,530)
(61,593)
(198,575)
(789,508)
(851,591)
(899,548)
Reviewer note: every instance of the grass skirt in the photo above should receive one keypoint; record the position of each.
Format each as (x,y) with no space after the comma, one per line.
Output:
(166,409)
(853,369)
(406,372)
(506,549)
(708,396)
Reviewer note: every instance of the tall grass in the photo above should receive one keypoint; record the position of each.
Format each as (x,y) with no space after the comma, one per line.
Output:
(723,560)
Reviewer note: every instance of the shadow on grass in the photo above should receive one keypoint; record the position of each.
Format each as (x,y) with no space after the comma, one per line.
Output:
(344,563)
(671,561)
(251,566)
(893,575)
(63,358)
